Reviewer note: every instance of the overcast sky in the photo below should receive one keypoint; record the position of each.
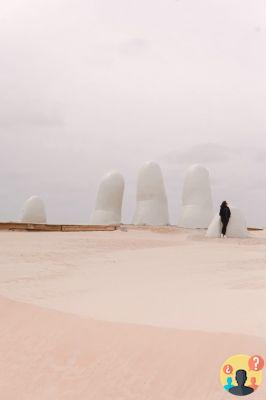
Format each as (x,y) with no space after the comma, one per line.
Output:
(92,85)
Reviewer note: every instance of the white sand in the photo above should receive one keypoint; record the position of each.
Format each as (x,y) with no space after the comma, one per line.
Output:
(210,291)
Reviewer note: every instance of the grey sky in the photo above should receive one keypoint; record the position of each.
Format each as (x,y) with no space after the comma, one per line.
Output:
(88,86)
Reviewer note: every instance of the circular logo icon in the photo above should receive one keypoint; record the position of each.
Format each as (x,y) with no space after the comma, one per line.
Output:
(241,374)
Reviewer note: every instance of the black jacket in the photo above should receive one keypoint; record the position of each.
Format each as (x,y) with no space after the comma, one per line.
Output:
(225,213)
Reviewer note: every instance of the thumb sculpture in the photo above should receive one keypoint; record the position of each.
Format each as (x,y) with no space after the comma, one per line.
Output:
(151,201)
(109,200)
(197,206)
(237,226)
(34,211)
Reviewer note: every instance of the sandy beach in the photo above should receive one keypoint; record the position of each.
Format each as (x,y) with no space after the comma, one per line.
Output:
(142,314)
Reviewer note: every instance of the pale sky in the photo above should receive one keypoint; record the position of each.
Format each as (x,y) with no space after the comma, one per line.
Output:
(88,86)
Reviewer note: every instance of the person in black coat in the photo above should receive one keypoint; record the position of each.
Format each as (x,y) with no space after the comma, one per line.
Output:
(225,215)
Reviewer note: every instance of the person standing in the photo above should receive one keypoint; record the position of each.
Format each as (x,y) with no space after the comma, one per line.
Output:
(225,215)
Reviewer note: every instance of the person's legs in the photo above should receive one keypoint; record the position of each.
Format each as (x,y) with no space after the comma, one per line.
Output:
(225,223)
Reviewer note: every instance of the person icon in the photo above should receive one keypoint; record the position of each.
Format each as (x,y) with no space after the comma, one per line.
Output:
(229,384)
(241,389)
(253,384)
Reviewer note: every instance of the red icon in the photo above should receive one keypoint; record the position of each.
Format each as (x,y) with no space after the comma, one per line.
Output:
(256,363)
(228,369)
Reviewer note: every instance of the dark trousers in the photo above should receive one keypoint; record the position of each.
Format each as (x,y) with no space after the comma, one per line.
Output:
(224,227)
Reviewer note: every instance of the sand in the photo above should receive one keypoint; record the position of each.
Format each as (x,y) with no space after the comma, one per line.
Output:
(127,315)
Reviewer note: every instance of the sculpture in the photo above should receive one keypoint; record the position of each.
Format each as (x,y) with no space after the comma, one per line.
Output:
(109,200)
(197,207)
(34,211)
(237,227)
(151,201)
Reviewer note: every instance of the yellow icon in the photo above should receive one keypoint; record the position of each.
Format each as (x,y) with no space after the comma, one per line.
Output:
(241,374)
